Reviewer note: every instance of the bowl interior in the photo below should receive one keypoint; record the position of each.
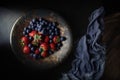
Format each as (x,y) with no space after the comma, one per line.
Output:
(52,60)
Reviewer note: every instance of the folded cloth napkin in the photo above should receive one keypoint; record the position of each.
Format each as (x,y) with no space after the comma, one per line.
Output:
(90,52)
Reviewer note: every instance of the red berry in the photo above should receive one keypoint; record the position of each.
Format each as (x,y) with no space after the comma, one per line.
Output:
(56,39)
(24,40)
(46,39)
(44,46)
(26,50)
(32,33)
(52,46)
(37,51)
(44,54)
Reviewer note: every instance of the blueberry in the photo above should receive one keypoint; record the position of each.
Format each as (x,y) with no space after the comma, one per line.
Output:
(25,28)
(27,35)
(50,36)
(63,38)
(46,23)
(50,31)
(50,52)
(33,20)
(50,41)
(38,56)
(44,31)
(48,28)
(30,45)
(24,33)
(39,30)
(57,33)
(34,56)
(31,23)
(30,38)
(32,49)
(40,19)
(27,31)
(49,24)
(36,29)
(35,25)
(54,23)
(41,23)
(59,44)
(52,27)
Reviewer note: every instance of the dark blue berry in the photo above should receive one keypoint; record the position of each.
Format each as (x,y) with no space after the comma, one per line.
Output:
(27,35)
(57,33)
(32,49)
(50,36)
(50,31)
(30,45)
(34,56)
(30,38)
(24,33)
(50,41)
(52,27)
(27,31)
(59,44)
(31,23)
(33,20)
(63,38)
(50,52)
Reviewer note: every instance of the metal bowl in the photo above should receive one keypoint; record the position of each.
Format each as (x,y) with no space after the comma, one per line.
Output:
(50,61)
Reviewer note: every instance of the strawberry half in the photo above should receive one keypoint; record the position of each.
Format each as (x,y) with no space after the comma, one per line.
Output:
(44,54)
(52,46)
(56,39)
(32,33)
(44,46)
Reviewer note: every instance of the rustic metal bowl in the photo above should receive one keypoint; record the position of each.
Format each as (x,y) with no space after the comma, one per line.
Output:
(50,61)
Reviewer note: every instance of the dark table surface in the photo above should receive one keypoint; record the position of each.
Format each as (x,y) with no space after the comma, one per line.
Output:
(76,14)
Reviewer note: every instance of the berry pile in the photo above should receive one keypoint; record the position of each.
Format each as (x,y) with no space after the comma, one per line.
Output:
(41,38)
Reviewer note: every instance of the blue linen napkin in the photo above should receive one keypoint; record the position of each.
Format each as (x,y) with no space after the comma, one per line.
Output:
(90,52)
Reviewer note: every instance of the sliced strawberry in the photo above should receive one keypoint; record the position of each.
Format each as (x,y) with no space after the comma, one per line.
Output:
(52,46)
(32,33)
(44,46)
(26,50)
(24,40)
(47,39)
(44,54)
(56,39)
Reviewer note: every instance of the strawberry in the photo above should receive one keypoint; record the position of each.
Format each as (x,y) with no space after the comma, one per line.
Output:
(24,40)
(44,54)
(46,39)
(26,50)
(37,39)
(44,46)
(37,51)
(32,33)
(56,39)
(52,46)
